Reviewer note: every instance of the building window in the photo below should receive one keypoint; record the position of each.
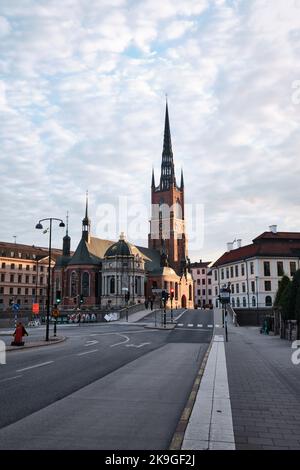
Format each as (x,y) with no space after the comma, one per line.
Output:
(216,275)
(199,292)
(237,270)
(20,266)
(198,271)
(233,302)
(12,278)
(203,271)
(3,265)
(203,282)
(251,267)
(292,267)
(268,286)
(231,271)
(268,301)
(227,273)
(41,292)
(11,290)
(222,273)
(27,279)
(203,292)
(238,302)
(209,292)
(42,269)
(176,290)
(85,284)
(33,279)
(232,288)
(190,292)
(252,286)
(243,287)
(253,301)
(2,277)
(267,270)
(34,267)
(209,281)
(243,269)
(33,291)
(198,282)
(216,290)
(112,285)
(19,290)
(280,268)
(42,279)
(237,288)
(12,266)
(73,284)
(26,290)
(27,267)
(244,302)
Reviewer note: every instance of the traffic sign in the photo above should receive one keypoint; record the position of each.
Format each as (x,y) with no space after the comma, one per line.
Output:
(55,312)
(16,307)
(35,308)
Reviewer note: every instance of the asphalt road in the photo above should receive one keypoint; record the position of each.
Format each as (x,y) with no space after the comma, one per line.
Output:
(121,386)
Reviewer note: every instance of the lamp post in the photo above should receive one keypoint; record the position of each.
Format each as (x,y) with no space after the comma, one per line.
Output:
(40,227)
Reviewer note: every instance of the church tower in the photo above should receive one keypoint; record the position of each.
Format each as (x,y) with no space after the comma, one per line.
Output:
(86,222)
(167,226)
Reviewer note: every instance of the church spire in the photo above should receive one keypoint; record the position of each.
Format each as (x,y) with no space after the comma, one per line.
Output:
(86,223)
(67,239)
(153,179)
(167,177)
(181,180)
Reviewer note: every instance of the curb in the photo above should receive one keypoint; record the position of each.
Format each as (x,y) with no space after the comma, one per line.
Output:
(178,436)
(34,345)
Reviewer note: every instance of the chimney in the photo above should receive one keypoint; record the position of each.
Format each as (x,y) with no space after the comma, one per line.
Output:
(239,243)
(273,228)
(229,246)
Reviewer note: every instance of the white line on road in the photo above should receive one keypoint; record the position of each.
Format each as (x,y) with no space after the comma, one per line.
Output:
(180,324)
(10,378)
(91,342)
(190,325)
(210,326)
(36,365)
(136,346)
(122,342)
(200,326)
(87,352)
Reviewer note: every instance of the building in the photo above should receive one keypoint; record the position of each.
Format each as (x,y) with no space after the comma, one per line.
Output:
(202,278)
(23,275)
(255,271)
(100,271)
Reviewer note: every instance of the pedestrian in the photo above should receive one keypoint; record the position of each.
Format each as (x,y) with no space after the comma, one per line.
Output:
(151,304)
(18,335)
(146,304)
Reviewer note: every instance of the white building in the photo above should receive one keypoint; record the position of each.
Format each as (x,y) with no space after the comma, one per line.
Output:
(255,271)
(202,278)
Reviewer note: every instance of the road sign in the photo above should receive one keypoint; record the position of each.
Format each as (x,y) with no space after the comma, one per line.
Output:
(55,312)
(35,308)
(16,307)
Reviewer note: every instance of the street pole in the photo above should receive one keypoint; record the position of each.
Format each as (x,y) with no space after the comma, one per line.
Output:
(171,309)
(48,286)
(226,332)
(55,323)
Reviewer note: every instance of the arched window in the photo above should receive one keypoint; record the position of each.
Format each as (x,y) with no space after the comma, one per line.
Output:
(238,302)
(233,302)
(253,301)
(190,292)
(176,290)
(85,284)
(244,302)
(73,290)
(112,285)
(268,301)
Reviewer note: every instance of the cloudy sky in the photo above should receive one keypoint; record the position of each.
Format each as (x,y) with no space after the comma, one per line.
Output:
(82,97)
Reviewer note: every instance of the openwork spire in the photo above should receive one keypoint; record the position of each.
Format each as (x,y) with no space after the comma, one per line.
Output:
(167,177)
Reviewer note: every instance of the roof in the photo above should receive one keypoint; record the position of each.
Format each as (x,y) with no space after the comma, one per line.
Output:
(38,251)
(90,253)
(152,258)
(201,264)
(268,244)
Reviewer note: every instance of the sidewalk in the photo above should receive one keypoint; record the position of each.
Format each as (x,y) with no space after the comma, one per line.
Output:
(250,397)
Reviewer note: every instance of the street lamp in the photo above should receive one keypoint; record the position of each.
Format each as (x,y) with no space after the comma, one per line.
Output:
(40,227)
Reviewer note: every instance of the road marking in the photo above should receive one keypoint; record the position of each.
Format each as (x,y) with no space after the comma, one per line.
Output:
(90,343)
(11,378)
(200,326)
(136,346)
(87,352)
(122,342)
(180,315)
(36,365)
(180,324)
(190,325)
(210,326)
(217,326)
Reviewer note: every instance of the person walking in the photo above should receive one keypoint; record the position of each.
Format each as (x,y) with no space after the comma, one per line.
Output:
(18,335)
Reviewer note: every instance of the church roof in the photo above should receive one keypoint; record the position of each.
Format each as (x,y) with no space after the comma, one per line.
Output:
(90,253)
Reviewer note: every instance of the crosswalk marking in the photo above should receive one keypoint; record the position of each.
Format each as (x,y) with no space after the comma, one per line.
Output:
(180,324)
(210,326)
(200,326)
(190,325)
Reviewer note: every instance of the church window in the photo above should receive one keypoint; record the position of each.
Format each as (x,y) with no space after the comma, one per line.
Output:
(85,284)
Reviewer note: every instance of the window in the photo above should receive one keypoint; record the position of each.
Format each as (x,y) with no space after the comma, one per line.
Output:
(11,290)
(42,279)
(198,282)
(176,290)
(203,271)
(280,268)
(268,286)
(26,290)
(12,266)
(267,270)
(233,302)
(216,275)
(41,291)
(199,292)
(112,285)
(292,267)
(216,290)
(190,292)
(203,282)
(237,288)
(253,301)
(244,287)
(34,267)
(232,288)
(1,290)
(251,267)
(20,266)
(198,271)
(2,277)
(73,284)
(238,302)
(42,269)
(209,292)
(33,279)
(252,286)
(209,281)
(27,279)
(19,290)
(85,284)
(237,270)
(244,302)
(222,273)
(3,265)
(231,271)
(203,292)
(27,267)
(227,273)
(12,278)
(243,269)
(268,301)
(33,291)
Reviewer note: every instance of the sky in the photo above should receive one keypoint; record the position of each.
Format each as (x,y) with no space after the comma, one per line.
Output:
(82,103)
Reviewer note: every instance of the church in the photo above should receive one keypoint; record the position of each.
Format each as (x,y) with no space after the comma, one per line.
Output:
(103,274)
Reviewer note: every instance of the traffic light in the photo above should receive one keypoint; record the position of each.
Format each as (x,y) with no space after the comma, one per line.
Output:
(127,296)
(58,297)
(81,299)
(172,294)
(75,300)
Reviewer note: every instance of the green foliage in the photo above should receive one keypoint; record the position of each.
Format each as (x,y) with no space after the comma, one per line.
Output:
(284,283)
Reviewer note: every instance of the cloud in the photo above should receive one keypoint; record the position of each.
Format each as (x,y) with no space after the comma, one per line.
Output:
(82,107)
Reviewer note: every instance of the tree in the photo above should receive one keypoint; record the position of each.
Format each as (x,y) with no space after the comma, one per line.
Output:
(285,281)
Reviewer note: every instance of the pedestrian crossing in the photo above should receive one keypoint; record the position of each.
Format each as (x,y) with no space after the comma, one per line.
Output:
(195,325)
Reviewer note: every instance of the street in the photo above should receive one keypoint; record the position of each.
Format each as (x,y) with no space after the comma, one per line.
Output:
(108,386)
